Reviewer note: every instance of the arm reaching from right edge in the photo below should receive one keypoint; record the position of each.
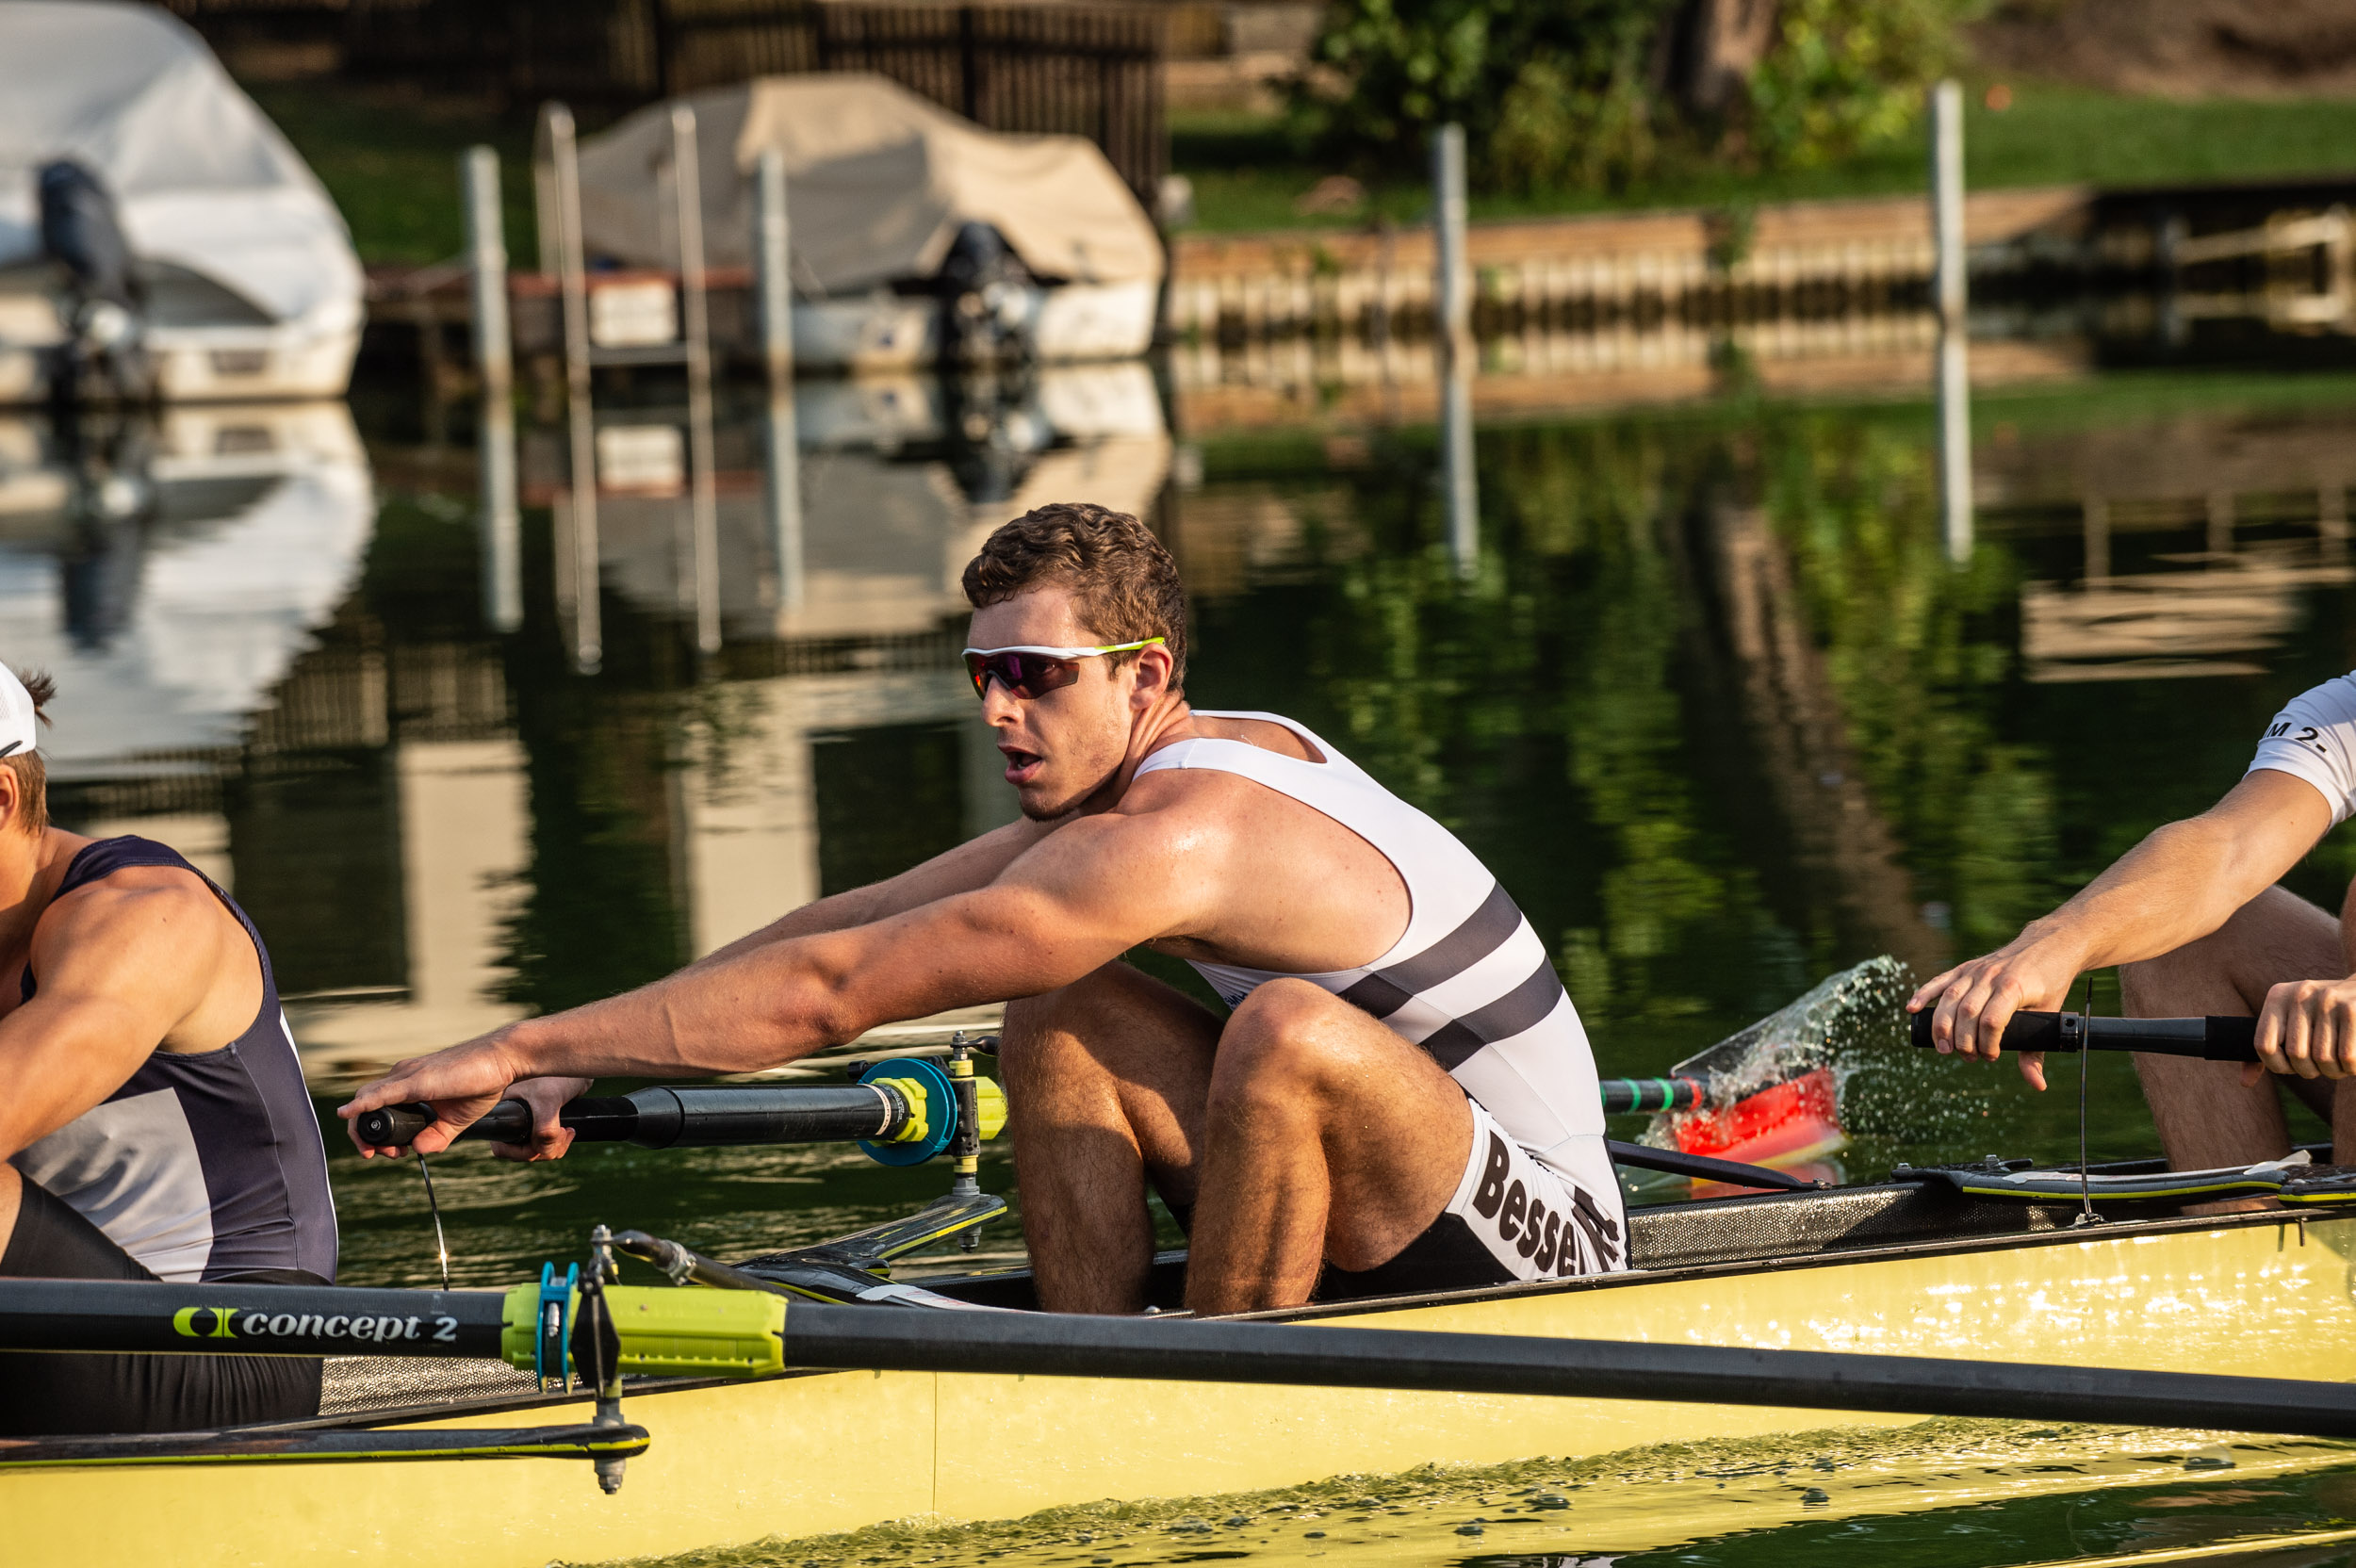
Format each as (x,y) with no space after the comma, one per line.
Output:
(2177,886)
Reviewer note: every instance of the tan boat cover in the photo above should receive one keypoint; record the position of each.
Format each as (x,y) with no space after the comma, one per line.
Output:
(877,182)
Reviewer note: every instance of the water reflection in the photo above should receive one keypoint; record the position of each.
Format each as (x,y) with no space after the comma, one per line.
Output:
(169,572)
(1700,679)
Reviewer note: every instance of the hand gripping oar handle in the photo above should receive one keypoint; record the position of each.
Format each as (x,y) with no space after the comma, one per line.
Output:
(682,1117)
(2216,1039)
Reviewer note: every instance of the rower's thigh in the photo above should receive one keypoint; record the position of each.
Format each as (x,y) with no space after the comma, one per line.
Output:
(1396,1130)
(2207,1117)
(1116,1041)
(2277,935)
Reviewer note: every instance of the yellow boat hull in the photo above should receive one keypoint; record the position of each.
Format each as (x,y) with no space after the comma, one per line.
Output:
(818,1453)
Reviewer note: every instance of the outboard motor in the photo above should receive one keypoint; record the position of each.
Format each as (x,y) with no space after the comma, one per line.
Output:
(104,313)
(983,287)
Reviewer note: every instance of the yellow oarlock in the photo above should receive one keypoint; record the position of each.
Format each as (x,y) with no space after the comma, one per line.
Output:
(990,1104)
(989,1107)
(917,1128)
(669,1332)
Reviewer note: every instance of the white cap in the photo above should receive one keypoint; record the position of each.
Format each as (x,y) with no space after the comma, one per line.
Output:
(18,721)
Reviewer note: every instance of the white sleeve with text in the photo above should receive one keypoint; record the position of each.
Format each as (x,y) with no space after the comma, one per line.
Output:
(2313,736)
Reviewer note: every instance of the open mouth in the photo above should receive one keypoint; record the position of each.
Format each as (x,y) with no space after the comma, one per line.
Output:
(1022,766)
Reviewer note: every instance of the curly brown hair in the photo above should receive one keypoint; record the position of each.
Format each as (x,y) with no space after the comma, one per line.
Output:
(32,774)
(1124,583)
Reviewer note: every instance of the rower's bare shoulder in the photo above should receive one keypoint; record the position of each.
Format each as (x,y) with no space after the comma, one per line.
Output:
(1263,733)
(159,913)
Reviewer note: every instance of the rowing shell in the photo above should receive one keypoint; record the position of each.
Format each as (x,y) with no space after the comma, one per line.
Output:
(1920,1269)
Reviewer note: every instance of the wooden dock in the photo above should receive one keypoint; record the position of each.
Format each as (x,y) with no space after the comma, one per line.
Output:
(1700,265)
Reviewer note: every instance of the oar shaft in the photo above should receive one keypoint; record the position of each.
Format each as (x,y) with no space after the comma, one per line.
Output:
(2214,1038)
(691,1116)
(268,1320)
(1077,1346)
(1621,1095)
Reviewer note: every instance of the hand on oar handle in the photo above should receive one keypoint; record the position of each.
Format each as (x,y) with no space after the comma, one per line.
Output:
(2215,1038)
(1971,1006)
(2307,1028)
(461,1083)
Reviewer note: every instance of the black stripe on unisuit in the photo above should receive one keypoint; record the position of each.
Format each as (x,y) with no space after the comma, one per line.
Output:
(1482,933)
(1518,1009)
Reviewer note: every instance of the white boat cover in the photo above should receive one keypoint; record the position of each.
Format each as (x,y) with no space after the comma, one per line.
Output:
(201,176)
(877,182)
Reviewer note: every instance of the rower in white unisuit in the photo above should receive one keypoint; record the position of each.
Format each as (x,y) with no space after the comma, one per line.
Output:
(1471,983)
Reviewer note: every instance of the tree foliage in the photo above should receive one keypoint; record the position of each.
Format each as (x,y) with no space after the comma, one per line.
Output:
(1595,94)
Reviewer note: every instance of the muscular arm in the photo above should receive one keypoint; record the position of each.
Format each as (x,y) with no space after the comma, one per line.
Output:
(972,864)
(2177,886)
(1078,898)
(121,969)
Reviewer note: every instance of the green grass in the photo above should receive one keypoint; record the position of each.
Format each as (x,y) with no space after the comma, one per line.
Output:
(1247,177)
(391,163)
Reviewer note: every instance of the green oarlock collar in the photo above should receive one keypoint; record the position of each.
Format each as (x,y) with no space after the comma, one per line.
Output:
(670,1332)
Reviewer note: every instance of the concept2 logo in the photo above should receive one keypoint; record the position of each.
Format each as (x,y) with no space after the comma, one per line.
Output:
(232,1323)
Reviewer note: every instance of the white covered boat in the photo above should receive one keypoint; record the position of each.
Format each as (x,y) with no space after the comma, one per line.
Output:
(917,236)
(243,280)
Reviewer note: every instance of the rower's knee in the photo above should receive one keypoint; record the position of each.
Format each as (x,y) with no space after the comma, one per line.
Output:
(1280,1045)
(1039,1028)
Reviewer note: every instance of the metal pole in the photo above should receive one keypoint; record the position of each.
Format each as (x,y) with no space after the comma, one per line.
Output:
(1947,201)
(580,552)
(785,505)
(774,283)
(773,277)
(1452,308)
(502,520)
(1452,302)
(1456,460)
(1949,299)
(704,514)
(486,270)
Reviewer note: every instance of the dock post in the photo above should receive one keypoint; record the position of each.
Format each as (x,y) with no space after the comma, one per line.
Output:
(503,519)
(501,522)
(1462,484)
(772,268)
(1950,299)
(580,554)
(1451,284)
(687,188)
(774,283)
(1451,309)
(486,270)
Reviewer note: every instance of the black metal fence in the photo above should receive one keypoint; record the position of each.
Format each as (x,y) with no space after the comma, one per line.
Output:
(1085,70)
(1082,71)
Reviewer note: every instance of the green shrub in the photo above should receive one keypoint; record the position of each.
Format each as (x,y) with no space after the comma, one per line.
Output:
(1580,95)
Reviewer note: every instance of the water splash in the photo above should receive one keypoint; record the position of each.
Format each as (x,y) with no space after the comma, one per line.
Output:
(1851,1022)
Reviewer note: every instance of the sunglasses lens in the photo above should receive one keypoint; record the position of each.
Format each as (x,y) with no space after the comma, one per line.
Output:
(1023,675)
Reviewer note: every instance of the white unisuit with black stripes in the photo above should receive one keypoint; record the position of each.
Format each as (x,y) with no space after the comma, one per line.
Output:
(1468,980)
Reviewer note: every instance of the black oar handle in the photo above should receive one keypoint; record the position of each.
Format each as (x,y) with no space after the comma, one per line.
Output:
(690,1117)
(2214,1038)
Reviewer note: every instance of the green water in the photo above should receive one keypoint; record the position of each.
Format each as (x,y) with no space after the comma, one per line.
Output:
(1710,698)
(1701,830)
(1944,1494)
